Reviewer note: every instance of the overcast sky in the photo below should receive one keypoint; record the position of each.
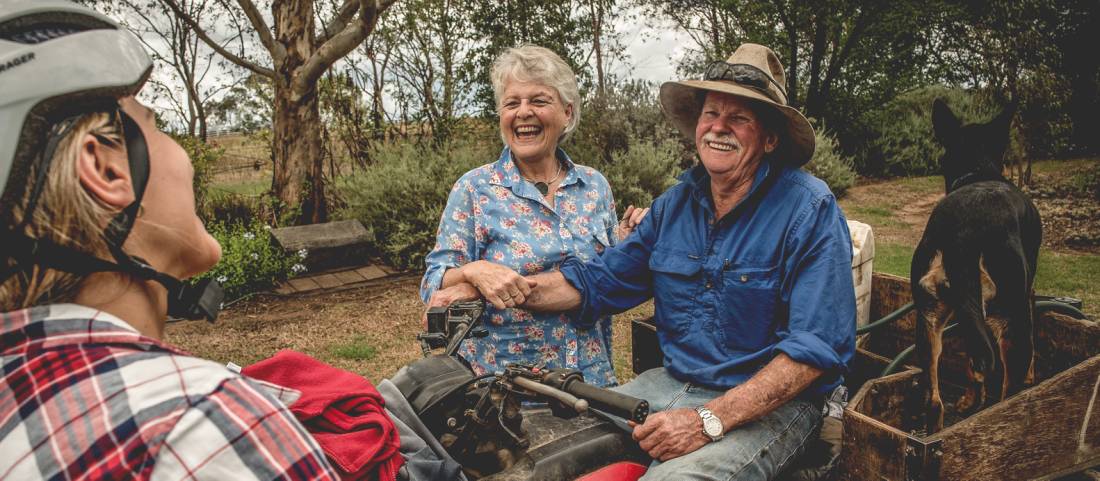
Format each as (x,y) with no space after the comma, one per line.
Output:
(651,52)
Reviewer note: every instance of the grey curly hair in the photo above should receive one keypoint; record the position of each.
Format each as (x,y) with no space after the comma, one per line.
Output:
(531,63)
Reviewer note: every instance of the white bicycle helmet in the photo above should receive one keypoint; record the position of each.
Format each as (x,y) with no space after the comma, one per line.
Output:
(59,61)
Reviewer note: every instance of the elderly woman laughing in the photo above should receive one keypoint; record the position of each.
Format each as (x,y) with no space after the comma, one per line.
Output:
(522,215)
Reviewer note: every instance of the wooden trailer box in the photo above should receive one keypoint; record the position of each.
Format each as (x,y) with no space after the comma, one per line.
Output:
(1048,430)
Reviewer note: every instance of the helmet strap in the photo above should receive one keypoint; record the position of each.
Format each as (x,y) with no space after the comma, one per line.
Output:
(201,300)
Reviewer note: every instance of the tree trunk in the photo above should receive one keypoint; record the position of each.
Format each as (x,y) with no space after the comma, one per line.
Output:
(817,56)
(596,7)
(298,180)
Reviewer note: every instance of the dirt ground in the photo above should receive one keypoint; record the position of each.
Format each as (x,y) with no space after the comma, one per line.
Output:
(1071,215)
(368,330)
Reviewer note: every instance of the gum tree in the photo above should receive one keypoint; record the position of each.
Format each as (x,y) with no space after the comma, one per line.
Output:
(298,52)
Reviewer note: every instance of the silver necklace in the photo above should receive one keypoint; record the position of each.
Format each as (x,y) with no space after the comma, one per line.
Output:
(544,187)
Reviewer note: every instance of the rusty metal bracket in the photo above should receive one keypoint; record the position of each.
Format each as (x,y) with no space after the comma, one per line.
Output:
(922,460)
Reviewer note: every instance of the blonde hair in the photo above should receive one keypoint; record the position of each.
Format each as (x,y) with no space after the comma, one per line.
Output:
(66,215)
(531,63)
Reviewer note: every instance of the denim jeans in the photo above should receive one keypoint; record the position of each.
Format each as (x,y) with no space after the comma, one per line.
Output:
(759,450)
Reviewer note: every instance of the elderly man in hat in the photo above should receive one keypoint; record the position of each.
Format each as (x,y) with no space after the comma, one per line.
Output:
(748,259)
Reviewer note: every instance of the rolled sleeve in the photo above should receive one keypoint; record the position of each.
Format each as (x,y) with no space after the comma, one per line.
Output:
(821,324)
(455,242)
(617,280)
(807,348)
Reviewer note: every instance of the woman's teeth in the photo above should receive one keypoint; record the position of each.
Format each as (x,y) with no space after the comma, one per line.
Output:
(527,130)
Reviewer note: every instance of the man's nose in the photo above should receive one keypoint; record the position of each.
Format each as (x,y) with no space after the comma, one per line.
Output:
(720,126)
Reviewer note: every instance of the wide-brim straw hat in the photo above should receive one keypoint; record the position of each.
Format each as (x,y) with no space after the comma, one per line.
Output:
(682,101)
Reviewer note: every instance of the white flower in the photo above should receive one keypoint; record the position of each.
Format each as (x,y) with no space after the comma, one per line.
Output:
(255,256)
(267,227)
(302,253)
(249,235)
(297,268)
(222,278)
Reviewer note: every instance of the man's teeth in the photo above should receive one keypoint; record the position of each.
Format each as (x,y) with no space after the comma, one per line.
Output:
(528,129)
(721,146)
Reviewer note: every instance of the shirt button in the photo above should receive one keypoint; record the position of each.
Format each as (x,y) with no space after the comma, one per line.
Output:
(710,284)
(744,278)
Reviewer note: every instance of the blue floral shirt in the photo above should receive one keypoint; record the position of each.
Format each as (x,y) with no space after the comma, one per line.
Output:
(493,213)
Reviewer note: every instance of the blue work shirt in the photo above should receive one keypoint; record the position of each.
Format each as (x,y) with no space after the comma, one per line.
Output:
(772,275)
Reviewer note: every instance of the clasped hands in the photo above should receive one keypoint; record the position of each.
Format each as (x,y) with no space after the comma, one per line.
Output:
(499,285)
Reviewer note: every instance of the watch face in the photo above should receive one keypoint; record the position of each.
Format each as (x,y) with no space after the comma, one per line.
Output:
(712,426)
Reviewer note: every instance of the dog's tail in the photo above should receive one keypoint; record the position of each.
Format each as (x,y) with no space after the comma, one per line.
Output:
(963,271)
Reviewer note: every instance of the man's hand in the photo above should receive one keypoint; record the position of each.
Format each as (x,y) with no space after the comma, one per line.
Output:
(670,434)
(498,284)
(631,218)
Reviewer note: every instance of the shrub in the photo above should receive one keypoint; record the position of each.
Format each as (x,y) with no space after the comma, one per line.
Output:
(250,261)
(203,159)
(400,198)
(1086,182)
(629,111)
(904,143)
(223,207)
(642,172)
(830,164)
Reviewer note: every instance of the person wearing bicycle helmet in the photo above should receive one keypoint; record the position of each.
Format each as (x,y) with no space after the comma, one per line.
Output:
(98,224)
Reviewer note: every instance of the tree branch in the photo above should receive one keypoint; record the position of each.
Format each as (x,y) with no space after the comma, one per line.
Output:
(263,71)
(278,52)
(340,21)
(340,44)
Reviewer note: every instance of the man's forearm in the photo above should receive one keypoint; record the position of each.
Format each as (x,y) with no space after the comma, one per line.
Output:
(552,293)
(780,381)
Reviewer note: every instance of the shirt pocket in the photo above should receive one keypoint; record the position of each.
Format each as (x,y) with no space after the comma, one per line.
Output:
(751,299)
(676,280)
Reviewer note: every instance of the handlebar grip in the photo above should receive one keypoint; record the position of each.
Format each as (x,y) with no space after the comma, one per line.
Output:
(621,405)
(578,405)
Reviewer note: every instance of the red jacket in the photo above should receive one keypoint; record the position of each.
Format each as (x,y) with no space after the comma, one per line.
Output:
(342,410)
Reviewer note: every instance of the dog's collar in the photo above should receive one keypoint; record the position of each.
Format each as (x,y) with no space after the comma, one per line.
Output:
(971,178)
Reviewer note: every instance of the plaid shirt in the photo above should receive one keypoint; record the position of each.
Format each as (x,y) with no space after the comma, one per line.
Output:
(84,396)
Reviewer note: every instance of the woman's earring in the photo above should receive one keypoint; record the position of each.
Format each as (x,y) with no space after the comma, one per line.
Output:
(141,211)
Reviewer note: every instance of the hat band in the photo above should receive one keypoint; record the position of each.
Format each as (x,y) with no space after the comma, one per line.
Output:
(745,75)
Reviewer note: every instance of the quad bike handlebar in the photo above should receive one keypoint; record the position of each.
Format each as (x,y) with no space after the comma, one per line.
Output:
(449,326)
(488,422)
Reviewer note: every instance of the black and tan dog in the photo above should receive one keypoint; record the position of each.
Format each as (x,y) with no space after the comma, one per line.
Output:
(975,265)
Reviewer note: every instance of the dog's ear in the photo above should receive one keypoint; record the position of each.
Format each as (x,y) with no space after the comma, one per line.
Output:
(944,122)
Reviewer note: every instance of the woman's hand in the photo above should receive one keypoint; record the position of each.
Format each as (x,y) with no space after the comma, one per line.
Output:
(498,284)
(631,218)
(450,295)
(456,293)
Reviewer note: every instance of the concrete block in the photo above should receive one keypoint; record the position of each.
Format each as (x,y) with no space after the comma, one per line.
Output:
(327,281)
(329,245)
(348,277)
(303,284)
(371,272)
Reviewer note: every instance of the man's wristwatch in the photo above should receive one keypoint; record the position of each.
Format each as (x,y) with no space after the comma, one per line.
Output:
(712,426)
